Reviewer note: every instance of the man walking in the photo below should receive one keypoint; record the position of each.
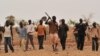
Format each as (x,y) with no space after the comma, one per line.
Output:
(63,29)
(53,30)
(81,28)
(30,31)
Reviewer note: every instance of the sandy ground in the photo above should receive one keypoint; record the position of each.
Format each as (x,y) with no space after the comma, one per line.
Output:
(70,51)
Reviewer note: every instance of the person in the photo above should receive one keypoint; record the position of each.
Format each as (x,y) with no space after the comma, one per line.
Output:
(30,30)
(81,28)
(8,35)
(41,34)
(53,30)
(95,37)
(76,33)
(1,33)
(44,18)
(22,34)
(87,30)
(62,32)
(0,37)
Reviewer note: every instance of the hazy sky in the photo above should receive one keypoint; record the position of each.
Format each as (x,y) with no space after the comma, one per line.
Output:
(34,9)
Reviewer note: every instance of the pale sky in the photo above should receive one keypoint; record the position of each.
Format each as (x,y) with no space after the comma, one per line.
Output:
(34,9)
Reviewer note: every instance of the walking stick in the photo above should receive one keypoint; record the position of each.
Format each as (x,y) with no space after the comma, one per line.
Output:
(48,15)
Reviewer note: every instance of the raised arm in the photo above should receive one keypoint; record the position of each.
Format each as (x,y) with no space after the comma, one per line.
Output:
(47,22)
(48,18)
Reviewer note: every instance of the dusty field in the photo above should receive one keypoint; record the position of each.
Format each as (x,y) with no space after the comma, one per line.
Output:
(70,51)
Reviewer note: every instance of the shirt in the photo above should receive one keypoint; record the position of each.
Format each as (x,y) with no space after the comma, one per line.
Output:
(81,28)
(41,30)
(7,32)
(1,29)
(30,28)
(63,30)
(22,32)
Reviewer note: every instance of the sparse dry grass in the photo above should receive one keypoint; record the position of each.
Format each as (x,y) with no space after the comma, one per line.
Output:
(70,51)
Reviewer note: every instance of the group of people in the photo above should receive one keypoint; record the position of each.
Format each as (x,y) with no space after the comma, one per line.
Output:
(57,33)
(83,30)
